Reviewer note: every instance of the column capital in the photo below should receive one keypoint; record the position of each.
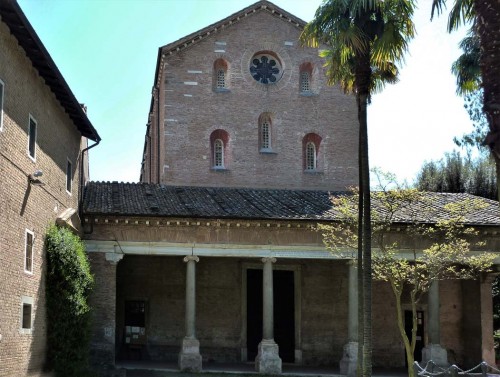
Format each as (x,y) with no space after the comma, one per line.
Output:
(113,258)
(488,278)
(268,259)
(352,262)
(187,258)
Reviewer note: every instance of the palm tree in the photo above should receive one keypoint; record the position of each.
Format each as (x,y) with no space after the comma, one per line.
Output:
(485,16)
(366,40)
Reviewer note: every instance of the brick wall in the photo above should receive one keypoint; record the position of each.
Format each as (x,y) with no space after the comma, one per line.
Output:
(24,206)
(191,110)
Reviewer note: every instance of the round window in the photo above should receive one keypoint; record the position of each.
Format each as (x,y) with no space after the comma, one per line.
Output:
(265,68)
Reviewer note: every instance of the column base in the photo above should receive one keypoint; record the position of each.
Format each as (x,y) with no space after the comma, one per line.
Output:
(436,353)
(268,360)
(189,357)
(349,361)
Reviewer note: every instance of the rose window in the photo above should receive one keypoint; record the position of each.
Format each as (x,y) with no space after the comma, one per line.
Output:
(265,69)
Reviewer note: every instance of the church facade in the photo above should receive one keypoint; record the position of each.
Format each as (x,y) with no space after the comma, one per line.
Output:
(213,258)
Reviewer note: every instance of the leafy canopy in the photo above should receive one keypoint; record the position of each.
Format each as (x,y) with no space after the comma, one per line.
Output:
(354,29)
(446,251)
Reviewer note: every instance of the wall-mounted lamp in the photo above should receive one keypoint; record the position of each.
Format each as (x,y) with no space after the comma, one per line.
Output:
(34,178)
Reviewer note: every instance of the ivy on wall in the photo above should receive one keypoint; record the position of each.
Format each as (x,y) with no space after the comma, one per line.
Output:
(69,283)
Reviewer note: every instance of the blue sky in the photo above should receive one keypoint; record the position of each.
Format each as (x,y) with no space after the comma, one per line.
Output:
(107,49)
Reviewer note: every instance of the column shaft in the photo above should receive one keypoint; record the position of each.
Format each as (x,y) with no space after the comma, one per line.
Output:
(268,307)
(352,325)
(191,299)
(433,311)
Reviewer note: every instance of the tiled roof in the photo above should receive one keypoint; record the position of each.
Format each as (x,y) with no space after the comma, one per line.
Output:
(151,200)
(21,29)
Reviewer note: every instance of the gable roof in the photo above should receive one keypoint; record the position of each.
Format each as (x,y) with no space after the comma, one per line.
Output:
(197,36)
(12,15)
(156,200)
(263,5)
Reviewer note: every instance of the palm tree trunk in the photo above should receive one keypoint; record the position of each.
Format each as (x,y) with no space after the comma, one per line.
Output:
(366,232)
(360,364)
(488,28)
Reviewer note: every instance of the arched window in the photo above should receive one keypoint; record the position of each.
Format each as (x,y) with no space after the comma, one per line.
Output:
(218,153)
(266,133)
(220,80)
(310,156)
(311,144)
(305,78)
(219,140)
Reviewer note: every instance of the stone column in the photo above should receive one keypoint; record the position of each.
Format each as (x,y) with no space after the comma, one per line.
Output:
(433,350)
(189,357)
(268,360)
(487,342)
(349,361)
(103,302)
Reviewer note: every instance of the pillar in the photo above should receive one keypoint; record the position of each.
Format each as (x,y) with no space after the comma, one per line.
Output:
(189,357)
(433,350)
(349,361)
(103,302)
(268,360)
(487,342)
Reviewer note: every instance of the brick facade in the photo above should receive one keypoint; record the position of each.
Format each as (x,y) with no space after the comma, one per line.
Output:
(25,206)
(187,109)
(152,270)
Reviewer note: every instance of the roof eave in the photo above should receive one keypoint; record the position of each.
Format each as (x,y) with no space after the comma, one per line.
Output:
(12,15)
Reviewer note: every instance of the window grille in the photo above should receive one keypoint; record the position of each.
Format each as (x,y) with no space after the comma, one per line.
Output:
(310,156)
(266,135)
(221,79)
(218,153)
(304,82)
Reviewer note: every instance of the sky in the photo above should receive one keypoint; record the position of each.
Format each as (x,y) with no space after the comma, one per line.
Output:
(107,49)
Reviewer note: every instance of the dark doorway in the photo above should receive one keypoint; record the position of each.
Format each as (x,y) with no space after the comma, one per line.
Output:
(419,345)
(284,313)
(135,329)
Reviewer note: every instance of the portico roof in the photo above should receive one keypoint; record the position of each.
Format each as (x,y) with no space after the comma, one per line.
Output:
(158,200)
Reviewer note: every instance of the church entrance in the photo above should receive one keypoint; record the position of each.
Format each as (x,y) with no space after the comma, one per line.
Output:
(284,313)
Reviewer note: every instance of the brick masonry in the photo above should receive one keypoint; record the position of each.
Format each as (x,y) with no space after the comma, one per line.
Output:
(160,281)
(188,114)
(24,206)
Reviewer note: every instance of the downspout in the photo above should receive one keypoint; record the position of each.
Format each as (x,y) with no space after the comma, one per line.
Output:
(82,160)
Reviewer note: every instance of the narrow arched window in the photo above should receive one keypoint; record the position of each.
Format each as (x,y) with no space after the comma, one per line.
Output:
(221,75)
(221,79)
(306,78)
(218,153)
(305,82)
(310,156)
(266,135)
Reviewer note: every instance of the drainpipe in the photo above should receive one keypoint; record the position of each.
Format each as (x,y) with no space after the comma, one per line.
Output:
(82,183)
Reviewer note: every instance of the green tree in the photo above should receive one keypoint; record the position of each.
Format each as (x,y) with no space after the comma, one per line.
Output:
(454,173)
(69,283)
(446,255)
(366,40)
(484,16)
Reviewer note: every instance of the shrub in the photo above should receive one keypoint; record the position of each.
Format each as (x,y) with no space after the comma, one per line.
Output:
(69,283)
